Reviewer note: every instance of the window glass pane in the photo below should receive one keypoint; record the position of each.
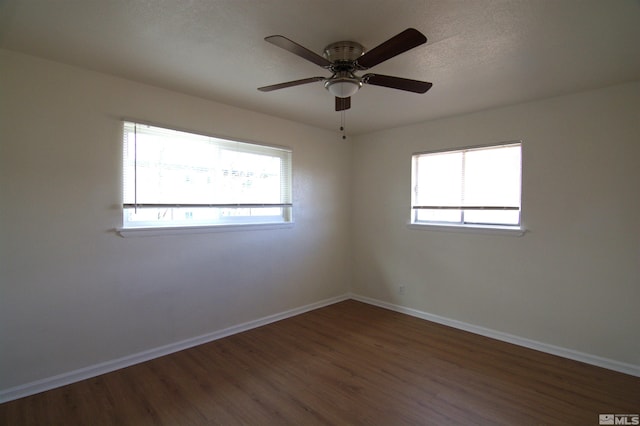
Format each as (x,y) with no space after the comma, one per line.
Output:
(439,215)
(249,178)
(171,168)
(439,179)
(492,177)
(503,217)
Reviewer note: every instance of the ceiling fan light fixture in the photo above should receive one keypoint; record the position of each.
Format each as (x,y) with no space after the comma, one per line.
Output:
(343,87)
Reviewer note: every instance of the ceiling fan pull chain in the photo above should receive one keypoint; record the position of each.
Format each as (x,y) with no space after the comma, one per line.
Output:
(343,120)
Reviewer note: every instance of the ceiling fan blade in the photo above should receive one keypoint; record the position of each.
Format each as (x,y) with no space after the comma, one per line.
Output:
(397,83)
(343,103)
(290,84)
(296,49)
(406,40)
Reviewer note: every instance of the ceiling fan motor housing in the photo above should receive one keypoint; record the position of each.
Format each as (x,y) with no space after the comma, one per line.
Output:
(343,51)
(342,55)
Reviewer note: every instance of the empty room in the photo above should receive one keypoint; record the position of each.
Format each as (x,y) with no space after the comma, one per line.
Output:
(319,212)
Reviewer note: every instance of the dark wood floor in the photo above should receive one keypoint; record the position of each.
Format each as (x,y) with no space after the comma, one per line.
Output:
(349,363)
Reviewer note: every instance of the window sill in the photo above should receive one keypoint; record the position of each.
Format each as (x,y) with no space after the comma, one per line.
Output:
(475,229)
(182,230)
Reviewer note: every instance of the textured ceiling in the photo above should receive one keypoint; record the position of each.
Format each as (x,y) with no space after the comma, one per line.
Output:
(480,53)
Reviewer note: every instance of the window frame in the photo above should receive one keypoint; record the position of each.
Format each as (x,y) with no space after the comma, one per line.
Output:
(269,221)
(462,226)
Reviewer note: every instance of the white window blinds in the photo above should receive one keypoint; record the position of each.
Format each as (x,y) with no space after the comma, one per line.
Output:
(174,178)
(475,185)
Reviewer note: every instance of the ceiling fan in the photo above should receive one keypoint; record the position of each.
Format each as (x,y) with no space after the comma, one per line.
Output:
(345,58)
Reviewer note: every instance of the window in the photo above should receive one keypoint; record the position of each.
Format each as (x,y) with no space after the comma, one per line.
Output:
(179,179)
(468,187)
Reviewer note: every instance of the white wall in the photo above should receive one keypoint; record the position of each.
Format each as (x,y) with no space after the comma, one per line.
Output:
(573,280)
(73,292)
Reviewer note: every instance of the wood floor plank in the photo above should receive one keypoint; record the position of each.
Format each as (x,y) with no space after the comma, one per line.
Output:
(348,363)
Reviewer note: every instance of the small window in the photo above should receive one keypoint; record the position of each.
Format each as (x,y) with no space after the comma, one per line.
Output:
(176,179)
(468,187)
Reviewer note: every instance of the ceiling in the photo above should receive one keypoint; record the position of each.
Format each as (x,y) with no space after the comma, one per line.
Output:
(480,53)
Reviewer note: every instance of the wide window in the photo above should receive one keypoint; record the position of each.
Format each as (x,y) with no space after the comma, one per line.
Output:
(175,179)
(475,186)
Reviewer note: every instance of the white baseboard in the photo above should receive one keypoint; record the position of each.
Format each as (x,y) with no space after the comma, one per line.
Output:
(609,364)
(49,383)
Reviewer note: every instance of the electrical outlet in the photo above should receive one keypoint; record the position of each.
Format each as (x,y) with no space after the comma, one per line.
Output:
(401,289)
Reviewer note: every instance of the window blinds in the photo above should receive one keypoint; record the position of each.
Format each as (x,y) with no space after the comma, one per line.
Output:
(165,168)
(480,185)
